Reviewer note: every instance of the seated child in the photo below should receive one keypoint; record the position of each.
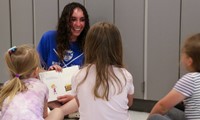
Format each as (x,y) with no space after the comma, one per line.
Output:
(24,96)
(103,88)
(187,88)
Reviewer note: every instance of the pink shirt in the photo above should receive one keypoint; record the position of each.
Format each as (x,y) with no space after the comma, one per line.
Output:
(28,105)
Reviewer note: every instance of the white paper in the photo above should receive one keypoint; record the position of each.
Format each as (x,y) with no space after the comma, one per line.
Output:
(58,83)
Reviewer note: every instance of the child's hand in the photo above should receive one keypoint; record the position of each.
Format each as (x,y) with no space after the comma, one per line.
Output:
(65,98)
(56,68)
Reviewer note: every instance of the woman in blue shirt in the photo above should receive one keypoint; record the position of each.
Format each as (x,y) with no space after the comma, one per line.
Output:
(64,47)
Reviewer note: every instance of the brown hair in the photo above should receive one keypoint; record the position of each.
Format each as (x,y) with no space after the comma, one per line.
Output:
(192,49)
(103,47)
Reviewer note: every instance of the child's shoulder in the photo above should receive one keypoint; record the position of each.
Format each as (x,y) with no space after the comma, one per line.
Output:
(127,73)
(190,78)
(34,82)
(192,74)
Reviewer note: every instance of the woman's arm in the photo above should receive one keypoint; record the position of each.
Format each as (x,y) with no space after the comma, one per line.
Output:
(70,107)
(65,98)
(55,114)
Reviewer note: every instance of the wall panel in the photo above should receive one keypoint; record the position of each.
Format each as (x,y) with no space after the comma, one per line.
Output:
(131,26)
(4,37)
(162,47)
(22,22)
(46,17)
(100,10)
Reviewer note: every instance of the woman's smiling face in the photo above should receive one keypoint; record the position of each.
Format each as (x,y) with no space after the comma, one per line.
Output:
(77,22)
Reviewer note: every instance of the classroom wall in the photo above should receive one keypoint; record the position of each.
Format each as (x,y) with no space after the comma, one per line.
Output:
(152,33)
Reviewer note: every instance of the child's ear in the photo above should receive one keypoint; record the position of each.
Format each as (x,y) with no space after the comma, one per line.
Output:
(190,64)
(36,72)
(190,61)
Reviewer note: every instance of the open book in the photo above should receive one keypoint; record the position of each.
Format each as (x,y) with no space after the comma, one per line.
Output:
(58,83)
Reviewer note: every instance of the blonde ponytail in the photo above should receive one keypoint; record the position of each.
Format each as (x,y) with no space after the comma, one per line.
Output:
(10,89)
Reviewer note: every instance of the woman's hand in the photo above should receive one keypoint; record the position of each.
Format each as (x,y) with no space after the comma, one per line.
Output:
(56,68)
(65,98)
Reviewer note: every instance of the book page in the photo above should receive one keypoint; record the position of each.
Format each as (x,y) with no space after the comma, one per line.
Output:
(58,83)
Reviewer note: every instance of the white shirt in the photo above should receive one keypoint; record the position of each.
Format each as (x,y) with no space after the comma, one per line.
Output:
(91,108)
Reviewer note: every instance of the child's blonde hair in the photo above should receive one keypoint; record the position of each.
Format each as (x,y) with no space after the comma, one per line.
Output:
(21,61)
(192,49)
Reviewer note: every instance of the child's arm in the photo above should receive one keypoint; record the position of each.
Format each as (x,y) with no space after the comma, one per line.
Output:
(45,112)
(70,107)
(65,98)
(130,100)
(55,114)
(170,100)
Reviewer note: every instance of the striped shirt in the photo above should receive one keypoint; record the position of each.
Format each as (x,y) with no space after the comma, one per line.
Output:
(189,86)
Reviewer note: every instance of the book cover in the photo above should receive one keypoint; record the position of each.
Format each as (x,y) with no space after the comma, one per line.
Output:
(58,83)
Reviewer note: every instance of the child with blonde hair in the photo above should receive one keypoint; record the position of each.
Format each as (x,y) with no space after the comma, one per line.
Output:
(103,88)
(24,96)
(187,88)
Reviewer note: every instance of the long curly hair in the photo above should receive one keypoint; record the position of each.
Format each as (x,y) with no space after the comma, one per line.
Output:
(64,28)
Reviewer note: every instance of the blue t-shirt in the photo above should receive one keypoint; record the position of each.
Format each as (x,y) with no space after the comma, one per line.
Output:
(49,56)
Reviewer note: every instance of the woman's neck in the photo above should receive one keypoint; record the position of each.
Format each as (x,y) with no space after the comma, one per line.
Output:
(73,39)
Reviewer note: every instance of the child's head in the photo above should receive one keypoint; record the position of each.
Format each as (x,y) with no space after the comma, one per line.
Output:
(22,62)
(191,53)
(103,45)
